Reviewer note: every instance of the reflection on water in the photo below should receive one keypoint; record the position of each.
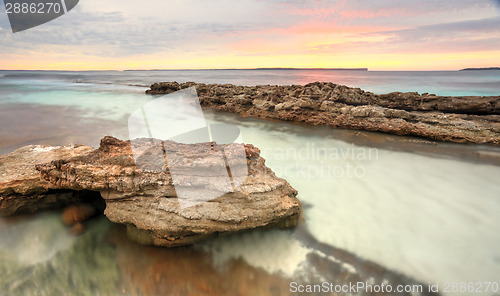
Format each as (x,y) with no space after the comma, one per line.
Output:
(147,270)
(427,210)
(39,257)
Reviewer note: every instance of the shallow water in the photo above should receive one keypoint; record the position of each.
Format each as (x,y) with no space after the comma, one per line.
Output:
(413,213)
(432,214)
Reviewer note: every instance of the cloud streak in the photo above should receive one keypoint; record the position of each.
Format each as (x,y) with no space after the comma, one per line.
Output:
(224,33)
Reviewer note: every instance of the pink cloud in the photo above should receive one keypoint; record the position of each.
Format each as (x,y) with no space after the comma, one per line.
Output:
(341,10)
(367,14)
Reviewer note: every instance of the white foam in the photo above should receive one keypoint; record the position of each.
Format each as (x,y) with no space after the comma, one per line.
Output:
(275,251)
(36,240)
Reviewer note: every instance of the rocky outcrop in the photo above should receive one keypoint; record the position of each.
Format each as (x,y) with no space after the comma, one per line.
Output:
(21,188)
(146,200)
(470,119)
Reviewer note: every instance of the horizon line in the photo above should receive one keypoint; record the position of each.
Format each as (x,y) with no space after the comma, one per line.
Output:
(247,69)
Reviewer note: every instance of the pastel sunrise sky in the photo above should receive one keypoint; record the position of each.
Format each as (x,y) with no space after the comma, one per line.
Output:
(202,34)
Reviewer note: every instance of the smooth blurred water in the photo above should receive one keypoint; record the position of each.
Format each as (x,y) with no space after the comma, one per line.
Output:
(434,219)
(429,217)
(445,83)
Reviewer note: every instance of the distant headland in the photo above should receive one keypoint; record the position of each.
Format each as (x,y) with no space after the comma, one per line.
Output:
(278,68)
(480,69)
(335,69)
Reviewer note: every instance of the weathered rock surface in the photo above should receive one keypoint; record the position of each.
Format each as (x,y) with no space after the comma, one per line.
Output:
(471,119)
(146,201)
(21,188)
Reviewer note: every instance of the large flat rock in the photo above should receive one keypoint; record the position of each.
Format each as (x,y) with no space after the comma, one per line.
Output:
(146,200)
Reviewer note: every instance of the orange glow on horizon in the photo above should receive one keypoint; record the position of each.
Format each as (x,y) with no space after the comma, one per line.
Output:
(396,61)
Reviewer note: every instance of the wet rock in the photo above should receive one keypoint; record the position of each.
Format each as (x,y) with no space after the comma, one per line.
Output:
(469,119)
(76,214)
(167,87)
(147,270)
(77,229)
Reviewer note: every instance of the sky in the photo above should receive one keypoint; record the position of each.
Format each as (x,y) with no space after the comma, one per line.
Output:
(216,34)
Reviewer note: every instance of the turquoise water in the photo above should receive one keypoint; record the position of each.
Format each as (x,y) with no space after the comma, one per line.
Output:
(445,83)
(431,217)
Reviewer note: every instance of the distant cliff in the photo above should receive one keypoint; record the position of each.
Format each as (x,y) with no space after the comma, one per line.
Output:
(480,69)
(332,69)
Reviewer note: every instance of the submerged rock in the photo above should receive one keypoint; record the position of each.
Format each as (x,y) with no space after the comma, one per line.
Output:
(470,119)
(146,200)
(76,214)
(148,270)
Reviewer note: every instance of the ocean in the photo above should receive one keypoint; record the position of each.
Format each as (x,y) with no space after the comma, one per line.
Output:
(431,214)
